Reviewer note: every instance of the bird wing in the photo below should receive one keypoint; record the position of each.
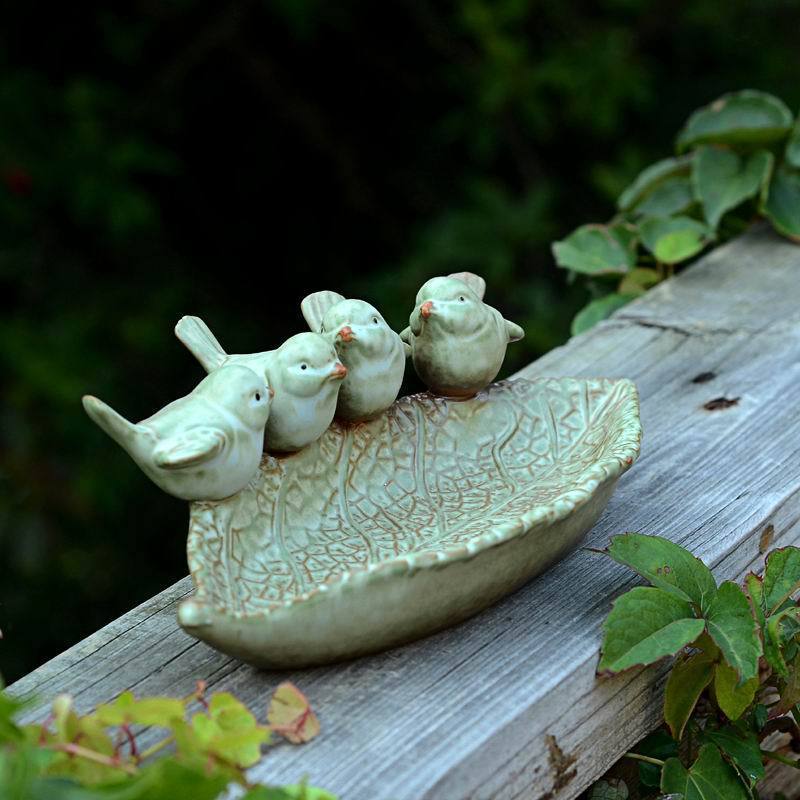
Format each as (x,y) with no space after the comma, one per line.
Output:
(515,333)
(316,305)
(201,343)
(189,448)
(475,282)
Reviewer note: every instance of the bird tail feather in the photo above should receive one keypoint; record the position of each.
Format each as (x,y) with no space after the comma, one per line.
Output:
(201,343)
(315,306)
(122,431)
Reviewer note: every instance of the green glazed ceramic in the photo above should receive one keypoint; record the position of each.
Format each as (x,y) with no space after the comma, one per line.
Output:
(458,342)
(373,353)
(385,531)
(204,446)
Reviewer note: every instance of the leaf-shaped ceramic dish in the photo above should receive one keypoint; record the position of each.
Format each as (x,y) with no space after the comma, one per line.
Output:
(386,531)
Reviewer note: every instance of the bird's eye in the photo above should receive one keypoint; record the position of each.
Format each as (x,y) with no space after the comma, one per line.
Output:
(375,320)
(304,366)
(258,397)
(462,299)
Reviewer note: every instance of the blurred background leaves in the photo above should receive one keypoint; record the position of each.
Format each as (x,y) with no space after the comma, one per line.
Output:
(224,159)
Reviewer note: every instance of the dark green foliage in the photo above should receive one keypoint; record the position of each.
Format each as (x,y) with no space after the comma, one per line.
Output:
(713,696)
(723,176)
(171,158)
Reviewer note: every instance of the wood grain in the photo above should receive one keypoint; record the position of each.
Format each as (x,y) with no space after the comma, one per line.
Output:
(507,705)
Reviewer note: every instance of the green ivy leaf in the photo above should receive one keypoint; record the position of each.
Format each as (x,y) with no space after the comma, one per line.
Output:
(722,180)
(644,626)
(773,654)
(685,684)
(231,713)
(651,178)
(755,593)
(165,779)
(710,778)
(741,118)
(673,239)
(294,792)
(792,155)
(168,779)
(733,629)
(673,196)
(598,250)
(660,745)
(229,730)
(268,793)
(732,698)
(783,203)
(161,711)
(20,776)
(598,310)
(790,694)
(9,708)
(742,748)
(638,281)
(781,577)
(212,749)
(241,747)
(774,641)
(666,565)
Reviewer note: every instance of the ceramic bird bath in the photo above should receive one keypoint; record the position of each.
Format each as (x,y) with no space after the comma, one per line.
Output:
(380,533)
(314,539)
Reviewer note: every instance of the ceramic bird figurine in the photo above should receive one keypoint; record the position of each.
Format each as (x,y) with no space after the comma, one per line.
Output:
(304,372)
(373,353)
(458,343)
(205,446)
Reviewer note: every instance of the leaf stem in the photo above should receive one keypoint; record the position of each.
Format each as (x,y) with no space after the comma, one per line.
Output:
(658,762)
(93,755)
(776,756)
(155,748)
(126,729)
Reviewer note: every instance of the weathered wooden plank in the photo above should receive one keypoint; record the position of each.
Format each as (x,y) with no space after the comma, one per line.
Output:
(507,705)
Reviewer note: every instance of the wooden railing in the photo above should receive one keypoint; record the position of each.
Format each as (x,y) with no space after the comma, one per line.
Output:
(507,705)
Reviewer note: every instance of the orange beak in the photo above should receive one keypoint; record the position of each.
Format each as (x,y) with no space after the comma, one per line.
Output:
(346,334)
(426,309)
(271,393)
(339,371)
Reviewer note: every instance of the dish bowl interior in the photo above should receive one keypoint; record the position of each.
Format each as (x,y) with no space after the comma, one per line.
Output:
(430,481)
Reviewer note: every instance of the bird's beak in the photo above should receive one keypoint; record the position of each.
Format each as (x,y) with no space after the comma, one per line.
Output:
(426,309)
(346,334)
(339,371)
(271,393)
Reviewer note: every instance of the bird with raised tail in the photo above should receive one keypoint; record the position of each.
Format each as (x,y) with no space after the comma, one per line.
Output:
(204,446)
(458,342)
(373,353)
(304,372)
